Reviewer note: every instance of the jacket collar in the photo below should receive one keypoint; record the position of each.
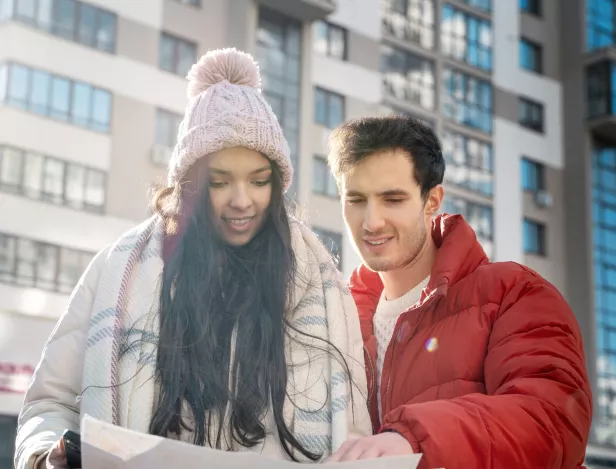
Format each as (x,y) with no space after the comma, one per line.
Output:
(458,255)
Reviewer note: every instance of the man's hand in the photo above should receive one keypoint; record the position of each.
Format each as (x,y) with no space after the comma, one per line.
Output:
(376,446)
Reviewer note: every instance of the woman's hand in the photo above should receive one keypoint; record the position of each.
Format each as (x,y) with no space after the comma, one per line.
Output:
(56,459)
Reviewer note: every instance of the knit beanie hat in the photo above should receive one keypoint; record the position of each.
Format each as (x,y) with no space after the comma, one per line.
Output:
(226,109)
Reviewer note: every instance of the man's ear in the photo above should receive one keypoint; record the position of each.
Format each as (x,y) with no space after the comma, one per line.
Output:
(434,200)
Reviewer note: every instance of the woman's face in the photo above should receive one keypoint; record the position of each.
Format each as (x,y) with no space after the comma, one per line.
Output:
(239,182)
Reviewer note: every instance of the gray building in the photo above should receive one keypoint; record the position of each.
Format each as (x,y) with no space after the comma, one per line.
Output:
(522,93)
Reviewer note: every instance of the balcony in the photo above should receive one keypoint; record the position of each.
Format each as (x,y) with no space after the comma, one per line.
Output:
(601,99)
(303,10)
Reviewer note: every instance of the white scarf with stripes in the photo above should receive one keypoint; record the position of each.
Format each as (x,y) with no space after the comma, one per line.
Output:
(122,391)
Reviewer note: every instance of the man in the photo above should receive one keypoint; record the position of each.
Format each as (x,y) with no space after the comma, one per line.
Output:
(472,363)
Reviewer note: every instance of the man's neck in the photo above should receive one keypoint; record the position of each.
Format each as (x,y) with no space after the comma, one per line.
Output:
(400,281)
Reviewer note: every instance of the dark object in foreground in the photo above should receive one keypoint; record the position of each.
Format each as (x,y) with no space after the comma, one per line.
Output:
(72,448)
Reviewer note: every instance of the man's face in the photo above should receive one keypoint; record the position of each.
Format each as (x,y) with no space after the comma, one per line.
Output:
(384,211)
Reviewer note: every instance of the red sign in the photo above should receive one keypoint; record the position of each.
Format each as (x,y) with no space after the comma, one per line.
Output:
(15,378)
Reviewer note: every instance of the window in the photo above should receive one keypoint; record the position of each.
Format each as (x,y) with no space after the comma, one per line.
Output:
(600,24)
(485,5)
(601,89)
(479,217)
(467,100)
(604,259)
(397,111)
(533,176)
(466,38)
(409,20)
(469,162)
(11,169)
(176,55)
(8,433)
(323,181)
(332,241)
(69,19)
(17,94)
(35,264)
(279,49)
(25,10)
(330,40)
(167,126)
(408,77)
(530,114)
(52,180)
(4,82)
(56,97)
(531,56)
(534,237)
(329,108)
(6,9)
(531,6)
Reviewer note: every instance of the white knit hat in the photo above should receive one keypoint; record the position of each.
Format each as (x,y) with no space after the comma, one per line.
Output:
(226,109)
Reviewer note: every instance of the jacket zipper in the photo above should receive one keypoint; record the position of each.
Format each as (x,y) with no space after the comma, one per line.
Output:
(425,304)
(372,374)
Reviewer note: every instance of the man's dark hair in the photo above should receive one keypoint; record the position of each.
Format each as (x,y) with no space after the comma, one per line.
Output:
(359,138)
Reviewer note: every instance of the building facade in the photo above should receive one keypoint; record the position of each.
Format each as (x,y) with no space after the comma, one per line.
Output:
(525,113)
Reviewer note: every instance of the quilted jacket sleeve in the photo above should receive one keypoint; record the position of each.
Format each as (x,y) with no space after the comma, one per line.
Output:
(50,406)
(538,407)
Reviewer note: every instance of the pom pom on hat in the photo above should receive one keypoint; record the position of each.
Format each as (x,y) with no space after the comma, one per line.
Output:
(230,64)
(233,114)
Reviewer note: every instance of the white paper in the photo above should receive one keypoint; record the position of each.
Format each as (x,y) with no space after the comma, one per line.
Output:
(105,446)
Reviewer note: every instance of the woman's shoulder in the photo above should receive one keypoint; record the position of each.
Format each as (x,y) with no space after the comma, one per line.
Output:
(123,244)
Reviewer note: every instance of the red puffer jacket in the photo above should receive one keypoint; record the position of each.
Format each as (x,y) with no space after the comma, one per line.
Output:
(487,370)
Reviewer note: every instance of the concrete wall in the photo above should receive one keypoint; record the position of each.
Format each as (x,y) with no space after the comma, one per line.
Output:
(551,266)
(578,181)
(512,141)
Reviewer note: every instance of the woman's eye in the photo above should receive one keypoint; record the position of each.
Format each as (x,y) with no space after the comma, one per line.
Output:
(216,184)
(262,183)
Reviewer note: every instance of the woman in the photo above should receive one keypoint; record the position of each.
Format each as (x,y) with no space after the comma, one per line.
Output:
(219,321)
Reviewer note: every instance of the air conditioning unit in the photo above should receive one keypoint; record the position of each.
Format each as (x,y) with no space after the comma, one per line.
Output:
(161,155)
(543,199)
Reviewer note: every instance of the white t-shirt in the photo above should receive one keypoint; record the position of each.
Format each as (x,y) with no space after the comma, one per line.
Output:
(384,323)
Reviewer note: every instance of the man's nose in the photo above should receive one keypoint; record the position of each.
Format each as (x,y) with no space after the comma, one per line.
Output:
(373,219)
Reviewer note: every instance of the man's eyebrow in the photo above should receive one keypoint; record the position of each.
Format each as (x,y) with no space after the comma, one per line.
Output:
(394,192)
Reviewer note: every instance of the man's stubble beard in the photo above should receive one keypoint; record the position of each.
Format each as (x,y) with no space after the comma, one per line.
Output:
(408,256)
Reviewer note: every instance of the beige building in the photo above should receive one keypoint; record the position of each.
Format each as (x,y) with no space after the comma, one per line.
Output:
(92,92)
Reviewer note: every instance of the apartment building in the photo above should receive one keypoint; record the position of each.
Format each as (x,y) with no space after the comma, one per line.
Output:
(92,93)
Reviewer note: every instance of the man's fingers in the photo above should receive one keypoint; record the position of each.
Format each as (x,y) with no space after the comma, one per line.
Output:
(372,452)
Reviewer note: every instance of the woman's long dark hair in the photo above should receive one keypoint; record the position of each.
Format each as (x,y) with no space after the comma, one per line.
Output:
(208,289)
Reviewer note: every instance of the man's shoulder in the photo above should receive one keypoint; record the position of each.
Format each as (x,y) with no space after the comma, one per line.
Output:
(496,281)
(508,270)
